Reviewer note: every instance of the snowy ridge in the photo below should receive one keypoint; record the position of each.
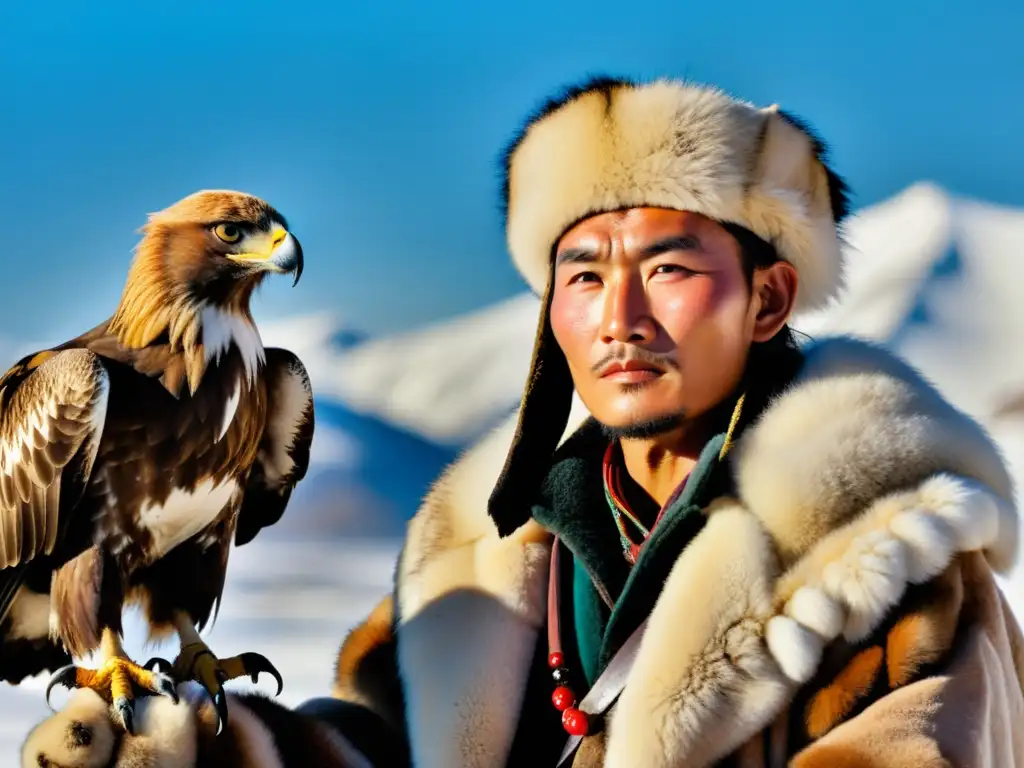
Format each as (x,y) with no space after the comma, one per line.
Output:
(448,382)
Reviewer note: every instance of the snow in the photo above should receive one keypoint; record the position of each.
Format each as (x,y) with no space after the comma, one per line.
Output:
(448,382)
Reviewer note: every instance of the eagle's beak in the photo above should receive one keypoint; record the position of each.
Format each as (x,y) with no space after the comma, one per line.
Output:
(283,253)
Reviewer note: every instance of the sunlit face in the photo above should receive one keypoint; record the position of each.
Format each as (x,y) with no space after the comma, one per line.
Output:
(655,316)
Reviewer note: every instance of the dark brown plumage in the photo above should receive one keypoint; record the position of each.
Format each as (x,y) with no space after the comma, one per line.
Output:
(132,455)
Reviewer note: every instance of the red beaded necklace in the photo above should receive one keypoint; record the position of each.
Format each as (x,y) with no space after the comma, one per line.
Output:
(574,720)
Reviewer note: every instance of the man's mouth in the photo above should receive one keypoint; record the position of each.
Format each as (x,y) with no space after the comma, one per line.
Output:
(630,372)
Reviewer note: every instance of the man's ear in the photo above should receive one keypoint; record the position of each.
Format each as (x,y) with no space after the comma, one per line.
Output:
(774,295)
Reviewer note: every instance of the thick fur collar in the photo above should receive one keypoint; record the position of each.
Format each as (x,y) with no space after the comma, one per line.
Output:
(612,144)
(857,481)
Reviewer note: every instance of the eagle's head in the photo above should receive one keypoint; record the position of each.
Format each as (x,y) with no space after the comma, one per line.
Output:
(218,245)
(205,254)
(210,249)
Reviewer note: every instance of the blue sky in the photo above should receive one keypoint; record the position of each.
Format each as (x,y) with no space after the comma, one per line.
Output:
(376,128)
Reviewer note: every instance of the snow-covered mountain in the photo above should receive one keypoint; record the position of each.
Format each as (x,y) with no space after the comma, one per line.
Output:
(448,382)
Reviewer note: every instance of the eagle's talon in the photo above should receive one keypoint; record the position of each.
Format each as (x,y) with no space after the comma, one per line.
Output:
(197,662)
(221,704)
(254,663)
(156,661)
(116,681)
(65,676)
(126,713)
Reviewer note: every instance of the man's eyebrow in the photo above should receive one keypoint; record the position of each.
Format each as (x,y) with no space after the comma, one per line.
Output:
(576,256)
(674,243)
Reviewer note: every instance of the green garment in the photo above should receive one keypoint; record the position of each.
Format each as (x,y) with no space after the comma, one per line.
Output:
(572,506)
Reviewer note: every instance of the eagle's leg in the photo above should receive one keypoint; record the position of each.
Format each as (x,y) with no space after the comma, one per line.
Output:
(197,662)
(116,680)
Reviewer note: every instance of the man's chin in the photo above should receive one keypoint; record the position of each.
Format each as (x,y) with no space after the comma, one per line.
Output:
(641,428)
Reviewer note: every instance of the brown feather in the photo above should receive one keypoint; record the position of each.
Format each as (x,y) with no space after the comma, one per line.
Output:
(65,394)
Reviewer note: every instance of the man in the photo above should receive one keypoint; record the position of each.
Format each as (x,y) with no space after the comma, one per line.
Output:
(759,554)
(742,552)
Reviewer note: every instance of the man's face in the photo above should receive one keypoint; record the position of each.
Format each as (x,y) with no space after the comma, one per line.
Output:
(655,316)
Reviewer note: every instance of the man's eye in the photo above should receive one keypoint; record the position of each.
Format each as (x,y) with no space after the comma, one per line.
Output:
(673,268)
(583,277)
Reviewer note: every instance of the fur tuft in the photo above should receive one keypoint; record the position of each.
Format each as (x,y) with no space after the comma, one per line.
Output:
(811,607)
(796,648)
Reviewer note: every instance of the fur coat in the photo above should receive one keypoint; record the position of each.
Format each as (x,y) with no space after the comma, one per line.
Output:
(858,482)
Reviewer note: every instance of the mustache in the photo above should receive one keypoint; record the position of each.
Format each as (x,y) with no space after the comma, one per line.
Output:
(634,355)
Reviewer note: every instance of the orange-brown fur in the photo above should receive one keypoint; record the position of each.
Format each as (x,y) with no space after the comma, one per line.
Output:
(360,641)
(921,632)
(834,703)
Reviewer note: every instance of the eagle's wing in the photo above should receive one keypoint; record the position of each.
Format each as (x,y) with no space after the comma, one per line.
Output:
(283,455)
(52,409)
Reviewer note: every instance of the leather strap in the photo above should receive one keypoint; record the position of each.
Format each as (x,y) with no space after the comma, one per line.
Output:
(611,681)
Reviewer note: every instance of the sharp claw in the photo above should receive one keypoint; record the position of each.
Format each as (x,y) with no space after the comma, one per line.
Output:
(151,665)
(124,709)
(221,703)
(256,663)
(64,676)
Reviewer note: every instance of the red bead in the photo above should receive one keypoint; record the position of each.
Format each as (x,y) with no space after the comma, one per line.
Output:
(575,722)
(563,698)
(555,659)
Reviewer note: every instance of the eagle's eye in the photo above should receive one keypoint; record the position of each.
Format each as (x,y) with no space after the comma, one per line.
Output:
(229,233)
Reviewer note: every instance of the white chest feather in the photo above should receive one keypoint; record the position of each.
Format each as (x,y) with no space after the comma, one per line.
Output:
(185,513)
(230,408)
(221,329)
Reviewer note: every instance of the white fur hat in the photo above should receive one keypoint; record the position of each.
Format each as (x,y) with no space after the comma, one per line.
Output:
(612,144)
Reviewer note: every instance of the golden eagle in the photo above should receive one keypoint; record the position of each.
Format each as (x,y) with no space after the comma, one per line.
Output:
(132,455)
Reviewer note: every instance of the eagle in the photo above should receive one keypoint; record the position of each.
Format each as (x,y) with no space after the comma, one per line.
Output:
(133,455)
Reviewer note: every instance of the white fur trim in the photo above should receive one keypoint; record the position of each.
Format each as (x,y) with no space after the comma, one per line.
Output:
(796,648)
(929,543)
(702,674)
(812,608)
(673,145)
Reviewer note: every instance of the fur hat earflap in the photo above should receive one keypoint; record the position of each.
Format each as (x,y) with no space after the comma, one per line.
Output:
(613,144)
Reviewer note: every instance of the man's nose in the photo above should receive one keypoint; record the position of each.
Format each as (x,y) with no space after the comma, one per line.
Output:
(625,314)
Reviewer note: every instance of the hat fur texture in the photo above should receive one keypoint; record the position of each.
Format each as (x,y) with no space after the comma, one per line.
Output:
(611,144)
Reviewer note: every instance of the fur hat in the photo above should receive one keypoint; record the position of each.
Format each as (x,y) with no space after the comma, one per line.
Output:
(613,144)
